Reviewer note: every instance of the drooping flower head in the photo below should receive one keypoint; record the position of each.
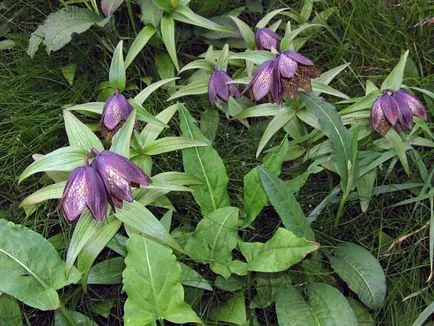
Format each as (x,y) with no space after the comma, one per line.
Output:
(115,112)
(118,174)
(220,87)
(109,7)
(281,76)
(266,39)
(84,188)
(396,109)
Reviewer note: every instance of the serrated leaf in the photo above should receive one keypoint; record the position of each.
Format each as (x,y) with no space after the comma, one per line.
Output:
(142,220)
(62,159)
(325,306)
(394,80)
(214,239)
(233,310)
(139,43)
(10,312)
(170,144)
(205,164)
(285,204)
(79,135)
(255,196)
(152,282)
(117,76)
(362,272)
(57,29)
(32,270)
(279,253)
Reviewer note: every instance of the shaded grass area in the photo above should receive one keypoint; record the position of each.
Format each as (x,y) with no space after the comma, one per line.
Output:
(369,34)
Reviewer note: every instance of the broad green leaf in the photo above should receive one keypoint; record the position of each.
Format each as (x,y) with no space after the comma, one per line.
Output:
(192,278)
(62,159)
(142,220)
(325,306)
(165,68)
(394,80)
(32,270)
(362,314)
(246,32)
(273,127)
(79,135)
(214,239)
(152,281)
(205,164)
(58,27)
(170,144)
(266,19)
(85,230)
(93,248)
(233,310)
(285,204)
(209,123)
(139,43)
(279,253)
(166,220)
(151,131)
(306,10)
(362,272)
(78,318)
(53,191)
(267,286)
(365,187)
(94,107)
(255,196)
(145,93)
(150,13)
(107,272)
(10,312)
(197,87)
(186,15)
(257,57)
(121,140)
(168,36)
(117,76)
(331,124)
(164,4)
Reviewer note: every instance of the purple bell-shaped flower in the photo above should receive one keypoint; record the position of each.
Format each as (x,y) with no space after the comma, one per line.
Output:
(266,39)
(220,87)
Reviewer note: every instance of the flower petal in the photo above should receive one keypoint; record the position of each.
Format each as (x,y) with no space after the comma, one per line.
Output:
(298,57)
(263,80)
(97,200)
(212,93)
(75,194)
(112,112)
(415,105)
(266,39)
(286,66)
(390,108)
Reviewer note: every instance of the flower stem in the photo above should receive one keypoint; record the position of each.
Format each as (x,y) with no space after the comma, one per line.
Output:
(341,208)
(67,315)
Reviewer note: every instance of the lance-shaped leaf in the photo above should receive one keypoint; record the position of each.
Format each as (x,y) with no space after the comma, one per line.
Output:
(361,312)
(93,107)
(214,239)
(10,312)
(255,196)
(53,191)
(285,204)
(146,92)
(394,80)
(331,124)
(152,281)
(78,318)
(186,15)
(361,271)
(279,253)
(168,36)
(142,220)
(79,135)
(139,43)
(266,19)
(122,139)
(170,144)
(258,57)
(325,306)
(117,76)
(62,159)
(32,270)
(205,164)
(245,31)
(197,87)
(151,131)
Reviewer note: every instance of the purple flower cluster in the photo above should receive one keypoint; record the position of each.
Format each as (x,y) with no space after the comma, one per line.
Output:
(281,76)
(396,109)
(107,180)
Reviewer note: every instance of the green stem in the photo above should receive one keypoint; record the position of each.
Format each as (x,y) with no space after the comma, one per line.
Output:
(131,15)
(67,315)
(161,321)
(341,207)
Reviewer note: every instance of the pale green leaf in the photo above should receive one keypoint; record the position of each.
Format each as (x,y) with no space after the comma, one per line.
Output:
(53,191)
(170,144)
(117,75)
(362,314)
(78,318)
(186,15)
(266,19)
(168,36)
(94,107)
(121,140)
(151,131)
(79,135)
(107,272)
(145,93)
(144,115)
(152,281)
(329,75)
(139,43)
(10,312)
(245,31)
(257,57)
(209,123)
(233,310)
(192,278)
(394,80)
(197,87)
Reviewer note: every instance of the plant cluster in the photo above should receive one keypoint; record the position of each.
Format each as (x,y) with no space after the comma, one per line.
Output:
(215,269)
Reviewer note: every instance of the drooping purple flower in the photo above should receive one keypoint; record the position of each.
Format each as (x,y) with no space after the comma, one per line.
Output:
(264,82)
(84,188)
(396,109)
(220,87)
(282,76)
(116,111)
(266,39)
(108,7)
(118,174)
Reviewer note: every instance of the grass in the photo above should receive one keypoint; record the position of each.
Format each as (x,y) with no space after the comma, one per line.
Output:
(369,34)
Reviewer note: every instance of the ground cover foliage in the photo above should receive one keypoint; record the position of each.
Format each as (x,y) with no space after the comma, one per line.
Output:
(257,213)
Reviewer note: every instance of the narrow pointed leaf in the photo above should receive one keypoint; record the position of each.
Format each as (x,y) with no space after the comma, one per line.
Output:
(94,107)
(121,140)
(266,19)
(170,144)
(144,115)
(145,93)
(186,15)
(194,88)
(151,131)
(53,191)
(139,43)
(117,74)
(245,31)
(394,80)
(168,36)
(79,135)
